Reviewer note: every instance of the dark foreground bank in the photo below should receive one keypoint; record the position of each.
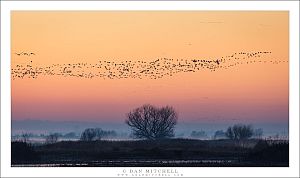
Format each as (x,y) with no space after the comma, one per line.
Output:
(158,153)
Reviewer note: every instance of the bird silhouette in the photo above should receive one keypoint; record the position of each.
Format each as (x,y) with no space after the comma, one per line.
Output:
(25,53)
(139,69)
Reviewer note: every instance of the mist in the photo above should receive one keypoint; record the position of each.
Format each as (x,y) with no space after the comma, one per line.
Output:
(182,129)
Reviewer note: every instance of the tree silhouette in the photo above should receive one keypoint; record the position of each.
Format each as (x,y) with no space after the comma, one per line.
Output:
(91,134)
(219,134)
(52,138)
(239,132)
(151,122)
(229,133)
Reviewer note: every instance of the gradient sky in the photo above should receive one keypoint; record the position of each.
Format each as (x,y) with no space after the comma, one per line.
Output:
(246,93)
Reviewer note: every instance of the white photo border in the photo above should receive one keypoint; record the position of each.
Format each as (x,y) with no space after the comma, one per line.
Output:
(291,6)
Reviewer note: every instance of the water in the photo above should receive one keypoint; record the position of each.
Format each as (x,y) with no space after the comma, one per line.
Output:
(107,163)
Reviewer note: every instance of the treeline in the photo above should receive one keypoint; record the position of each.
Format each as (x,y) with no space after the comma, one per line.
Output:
(87,135)
(235,132)
(92,134)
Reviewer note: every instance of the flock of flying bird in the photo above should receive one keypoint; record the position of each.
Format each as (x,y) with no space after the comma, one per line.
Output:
(25,53)
(137,68)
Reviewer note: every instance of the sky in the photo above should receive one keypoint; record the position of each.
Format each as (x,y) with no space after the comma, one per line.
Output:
(244,93)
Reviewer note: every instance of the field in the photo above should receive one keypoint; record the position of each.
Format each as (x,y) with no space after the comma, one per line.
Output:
(166,153)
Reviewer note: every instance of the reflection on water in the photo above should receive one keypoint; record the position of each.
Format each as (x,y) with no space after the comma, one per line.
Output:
(130,163)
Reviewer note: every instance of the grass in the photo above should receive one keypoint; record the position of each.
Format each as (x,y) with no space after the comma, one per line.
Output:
(157,153)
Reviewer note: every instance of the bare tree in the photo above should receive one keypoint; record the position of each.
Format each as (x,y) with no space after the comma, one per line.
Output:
(91,134)
(229,133)
(152,122)
(219,134)
(239,132)
(52,138)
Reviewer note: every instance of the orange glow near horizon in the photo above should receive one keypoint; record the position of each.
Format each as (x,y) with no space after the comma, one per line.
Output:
(256,92)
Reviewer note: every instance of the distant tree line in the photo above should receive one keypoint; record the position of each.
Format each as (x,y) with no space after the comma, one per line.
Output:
(92,134)
(235,132)
(199,134)
(219,134)
(243,132)
(52,138)
(239,132)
